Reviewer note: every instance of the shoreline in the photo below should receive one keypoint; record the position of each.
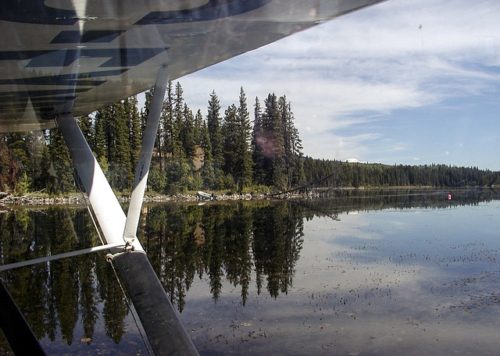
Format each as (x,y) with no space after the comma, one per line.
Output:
(79,199)
(76,199)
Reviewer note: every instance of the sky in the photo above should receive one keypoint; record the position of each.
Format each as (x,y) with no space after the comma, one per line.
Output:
(405,81)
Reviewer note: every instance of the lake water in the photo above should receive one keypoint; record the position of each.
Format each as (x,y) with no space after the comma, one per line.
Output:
(379,272)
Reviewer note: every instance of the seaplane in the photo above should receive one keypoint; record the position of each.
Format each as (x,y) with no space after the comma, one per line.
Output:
(63,59)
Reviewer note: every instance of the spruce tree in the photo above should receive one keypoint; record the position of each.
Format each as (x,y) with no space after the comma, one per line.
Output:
(122,173)
(279,178)
(6,181)
(287,149)
(187,132)
(61,169)
(178,121)
(214,129)
(297,177)
(230,143)
(259,174)
(38,148)
(100,134)
(292,145)
(179,168)
(167,118)
(134,130)
(274,163)
(197,128)
(110,131)
(244,164)
(207,171)
(19,145)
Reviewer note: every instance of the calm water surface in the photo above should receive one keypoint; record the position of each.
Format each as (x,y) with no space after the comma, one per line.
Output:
(399,272)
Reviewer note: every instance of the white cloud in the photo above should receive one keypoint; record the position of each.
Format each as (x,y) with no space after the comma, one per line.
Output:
(352,71)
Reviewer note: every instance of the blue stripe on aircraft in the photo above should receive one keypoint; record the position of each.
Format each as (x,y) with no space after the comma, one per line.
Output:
(37,12)
(80,79)
(213,10)
(118,57)
(86,36)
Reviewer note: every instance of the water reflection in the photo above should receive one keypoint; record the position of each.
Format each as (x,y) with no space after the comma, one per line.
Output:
(55,296)
(246,244)
(237,242)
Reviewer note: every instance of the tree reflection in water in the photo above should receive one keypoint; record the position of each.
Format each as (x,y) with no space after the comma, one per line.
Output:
(224,241)
(54,296)
(245,244)
(220,241)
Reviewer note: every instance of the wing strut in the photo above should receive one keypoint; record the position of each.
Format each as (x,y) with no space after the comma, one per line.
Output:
(105,205)
(165,333)
(142,169)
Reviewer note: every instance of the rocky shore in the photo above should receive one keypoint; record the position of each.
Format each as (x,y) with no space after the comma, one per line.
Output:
(79,199)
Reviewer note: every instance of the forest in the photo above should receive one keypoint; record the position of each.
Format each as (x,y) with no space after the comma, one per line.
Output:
(228,150)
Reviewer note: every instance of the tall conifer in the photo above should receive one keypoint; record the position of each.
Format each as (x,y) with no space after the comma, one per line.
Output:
(214,129)
(134,128)
(207,171)
(244,165)
(230,142)
(258,158)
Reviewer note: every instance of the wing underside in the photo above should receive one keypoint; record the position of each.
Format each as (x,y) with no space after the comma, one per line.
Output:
(61,56)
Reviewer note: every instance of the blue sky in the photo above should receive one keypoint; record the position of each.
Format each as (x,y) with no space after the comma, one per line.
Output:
(405,81)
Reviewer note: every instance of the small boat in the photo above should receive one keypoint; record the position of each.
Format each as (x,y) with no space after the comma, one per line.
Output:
(204,196)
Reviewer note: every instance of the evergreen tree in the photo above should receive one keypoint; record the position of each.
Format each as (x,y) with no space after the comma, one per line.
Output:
(19,146)
(38,151)
(287,149)
(187,132)
(8,166)
(171,133)
(121,172)
(273,130)
(61,169)
(134,130)
(207,170)
(292,145)
(110,131)
(258,158)
(178,121)
(100,137)
(230,143)
(214,130)
(178,169)
(197,128)
(244,164)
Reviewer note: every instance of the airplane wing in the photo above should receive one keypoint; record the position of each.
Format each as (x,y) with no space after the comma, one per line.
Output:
(60,56)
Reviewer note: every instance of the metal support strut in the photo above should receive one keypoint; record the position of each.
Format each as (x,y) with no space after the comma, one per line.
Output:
(105,205)
(164,331)
(142,169)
